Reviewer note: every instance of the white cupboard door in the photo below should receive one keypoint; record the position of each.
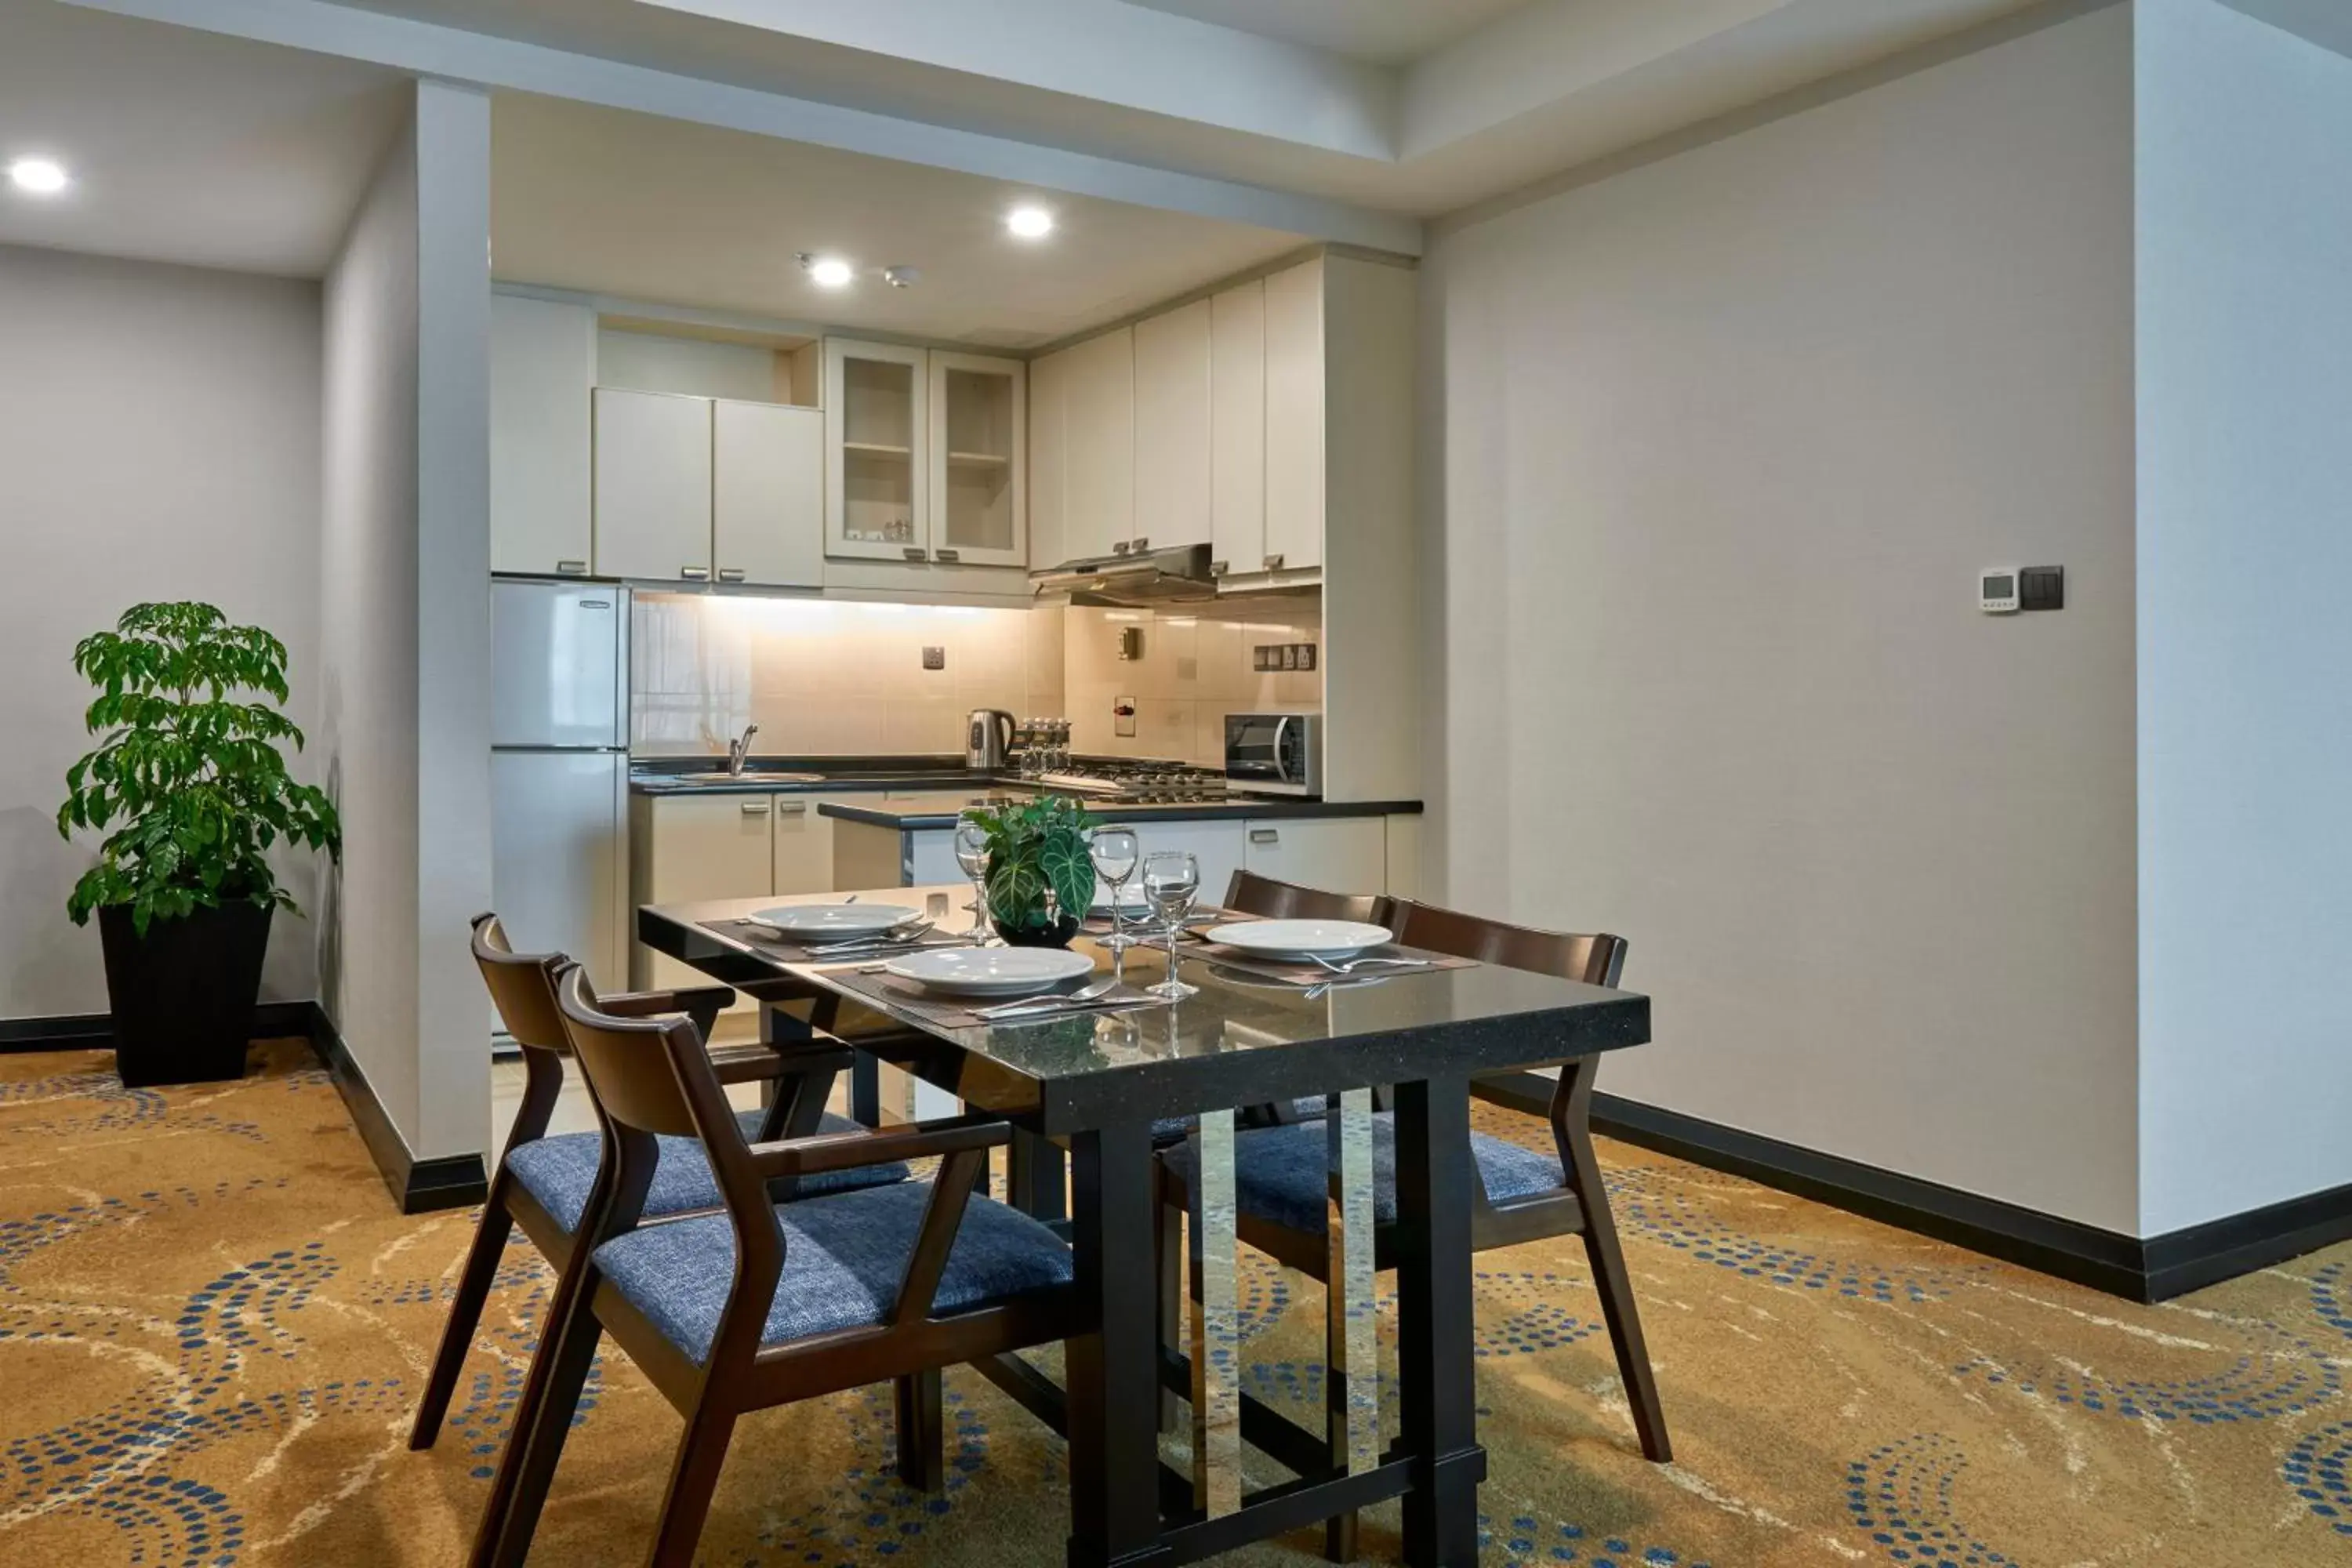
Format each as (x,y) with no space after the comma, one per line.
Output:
(1217,846)
(542,368)
(1337,854)
(653,485)
(767,498)
(1237,428)
(1099,467)
(1294,419)
(804,846)
(1048,445)
(1172,446)
(980,420)
(703,846)
(877,457)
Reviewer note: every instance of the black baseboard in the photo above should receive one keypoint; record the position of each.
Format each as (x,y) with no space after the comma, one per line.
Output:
(417,1185)
(2155,1268)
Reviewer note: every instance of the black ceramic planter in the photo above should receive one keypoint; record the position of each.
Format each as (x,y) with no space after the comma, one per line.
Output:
(183,995)
(1057,935)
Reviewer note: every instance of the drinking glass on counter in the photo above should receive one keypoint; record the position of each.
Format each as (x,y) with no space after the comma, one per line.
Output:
(1171,880)
(972,853)
(1114,851)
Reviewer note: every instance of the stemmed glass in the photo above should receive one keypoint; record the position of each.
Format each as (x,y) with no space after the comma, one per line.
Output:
(1171,880)
(972,853)
(1113,851)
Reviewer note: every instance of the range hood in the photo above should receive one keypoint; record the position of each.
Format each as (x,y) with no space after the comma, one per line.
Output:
(1132,577)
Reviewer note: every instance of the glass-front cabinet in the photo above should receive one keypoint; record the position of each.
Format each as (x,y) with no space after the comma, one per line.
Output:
(877,454)
(979,416)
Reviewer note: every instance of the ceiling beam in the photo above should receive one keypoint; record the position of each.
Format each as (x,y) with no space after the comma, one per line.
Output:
(429,49)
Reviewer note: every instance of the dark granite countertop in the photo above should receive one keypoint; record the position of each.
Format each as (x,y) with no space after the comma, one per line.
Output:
(940,809)
(774,775)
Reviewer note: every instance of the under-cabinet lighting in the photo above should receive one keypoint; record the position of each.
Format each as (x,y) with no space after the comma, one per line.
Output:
(1030,223)
(40,176)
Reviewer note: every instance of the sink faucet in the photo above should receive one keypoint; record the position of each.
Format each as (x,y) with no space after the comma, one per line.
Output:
(738,751)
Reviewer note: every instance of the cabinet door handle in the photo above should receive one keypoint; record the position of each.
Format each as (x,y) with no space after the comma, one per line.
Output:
(572,568)
(915,552)
(1122,547)
(694,574)
(730,574)
(1274,562)
(1219,568)
(947,555)
(1139,546)
(791,808)
(755,808)
(1264,836)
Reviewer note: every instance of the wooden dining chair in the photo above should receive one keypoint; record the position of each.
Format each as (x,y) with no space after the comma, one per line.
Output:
(764,1303)
(1266,898)
(1281,1173)
(543,1183)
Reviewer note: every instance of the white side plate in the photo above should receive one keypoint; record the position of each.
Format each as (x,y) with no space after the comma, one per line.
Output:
(1300,939)
(990,971)
(836,920)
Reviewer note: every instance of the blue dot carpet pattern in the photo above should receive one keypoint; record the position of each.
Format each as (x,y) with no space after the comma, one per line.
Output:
(214,1326)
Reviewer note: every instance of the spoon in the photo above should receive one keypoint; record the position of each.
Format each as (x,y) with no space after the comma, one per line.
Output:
(1092,992)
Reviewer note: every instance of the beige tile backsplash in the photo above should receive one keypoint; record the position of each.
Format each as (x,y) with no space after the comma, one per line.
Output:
(830,678)
(833,678)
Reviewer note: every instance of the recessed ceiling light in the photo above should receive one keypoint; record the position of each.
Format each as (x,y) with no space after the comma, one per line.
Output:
(41,176)
(1030,223)
(827,271)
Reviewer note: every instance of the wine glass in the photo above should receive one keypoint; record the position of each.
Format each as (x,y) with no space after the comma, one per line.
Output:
(1171,880)
(972,853)
(1114,851)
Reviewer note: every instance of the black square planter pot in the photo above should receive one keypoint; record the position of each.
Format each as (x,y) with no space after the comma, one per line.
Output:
(183,995)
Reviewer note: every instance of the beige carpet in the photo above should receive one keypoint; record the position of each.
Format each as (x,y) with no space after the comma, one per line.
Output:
(212,1322)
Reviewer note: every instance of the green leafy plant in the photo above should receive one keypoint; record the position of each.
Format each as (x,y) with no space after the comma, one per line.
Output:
(1034,847)
(190,771)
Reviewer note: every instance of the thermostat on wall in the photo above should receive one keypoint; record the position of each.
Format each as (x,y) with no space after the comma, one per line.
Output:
(1997,591)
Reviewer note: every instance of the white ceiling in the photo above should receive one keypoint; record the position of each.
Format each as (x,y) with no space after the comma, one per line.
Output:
(1386,32)
(603,201)
(184,146)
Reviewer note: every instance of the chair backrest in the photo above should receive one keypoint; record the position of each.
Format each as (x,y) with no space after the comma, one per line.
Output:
(1596,959)
(1251,894)
(522,986)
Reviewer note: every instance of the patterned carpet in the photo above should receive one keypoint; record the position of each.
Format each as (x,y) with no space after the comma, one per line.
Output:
(211,1323)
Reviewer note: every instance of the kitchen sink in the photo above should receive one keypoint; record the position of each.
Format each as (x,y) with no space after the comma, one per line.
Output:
(747,776)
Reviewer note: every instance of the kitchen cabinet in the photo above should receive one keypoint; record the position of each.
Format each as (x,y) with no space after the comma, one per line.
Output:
(542,368)
(1048,443)
(1295,372)
(979,457)
(1098,462)
(653,485)
(1173,451)
(802,859)
(1337,854)
(877,470)
(684,848)
(1237,428)
(767,497)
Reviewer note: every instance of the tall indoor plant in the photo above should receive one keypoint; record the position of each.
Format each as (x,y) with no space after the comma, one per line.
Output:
(190,788)
(1034,849)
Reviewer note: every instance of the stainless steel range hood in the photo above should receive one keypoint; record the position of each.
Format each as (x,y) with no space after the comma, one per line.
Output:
(1132,577)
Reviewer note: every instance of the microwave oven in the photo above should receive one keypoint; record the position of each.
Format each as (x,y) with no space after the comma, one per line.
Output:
(1275,754)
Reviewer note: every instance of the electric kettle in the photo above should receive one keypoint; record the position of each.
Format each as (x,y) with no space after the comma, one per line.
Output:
(987,739)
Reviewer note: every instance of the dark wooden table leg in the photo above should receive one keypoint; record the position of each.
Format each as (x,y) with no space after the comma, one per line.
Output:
(1112,1370)
(1436,1354)
(1033,1170)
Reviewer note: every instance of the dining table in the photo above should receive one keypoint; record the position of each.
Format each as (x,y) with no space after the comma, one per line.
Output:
(1112,1085)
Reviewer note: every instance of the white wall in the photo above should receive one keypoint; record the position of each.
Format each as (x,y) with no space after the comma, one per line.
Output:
(405,570)
(159,439)
(1726,438)
(2245,616)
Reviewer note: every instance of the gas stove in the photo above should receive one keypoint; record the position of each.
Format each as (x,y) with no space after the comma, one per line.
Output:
(1143,784)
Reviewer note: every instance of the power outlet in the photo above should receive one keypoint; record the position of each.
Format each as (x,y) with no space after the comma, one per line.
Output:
(1122,717)
(935,659)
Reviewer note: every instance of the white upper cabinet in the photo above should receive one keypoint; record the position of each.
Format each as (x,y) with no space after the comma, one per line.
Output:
(1172,415)
(979,452)
(766,503)
(542,366)
(1049,429)
(1099,464)
(1237,428)
(878,471)
(1294,419)
(653,485)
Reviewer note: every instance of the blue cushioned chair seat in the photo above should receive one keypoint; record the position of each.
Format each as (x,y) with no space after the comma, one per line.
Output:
(1280,1173)
(843,1256)
(1169,1128)
(559,1171)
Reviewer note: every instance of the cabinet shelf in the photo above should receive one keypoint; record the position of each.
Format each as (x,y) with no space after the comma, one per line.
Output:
(979,460)
(876,450)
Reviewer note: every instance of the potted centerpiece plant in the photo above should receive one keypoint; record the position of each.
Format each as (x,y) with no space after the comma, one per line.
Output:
(1040,880)
(190,788)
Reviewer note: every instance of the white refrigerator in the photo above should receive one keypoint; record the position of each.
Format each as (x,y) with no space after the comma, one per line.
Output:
(560,771)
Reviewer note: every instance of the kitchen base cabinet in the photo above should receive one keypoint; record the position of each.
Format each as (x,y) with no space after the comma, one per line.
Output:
(1339,854)
(685,849)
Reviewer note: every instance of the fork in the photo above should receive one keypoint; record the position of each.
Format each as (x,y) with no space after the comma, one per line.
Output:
(1353,964)
(898,936)
(1093,992)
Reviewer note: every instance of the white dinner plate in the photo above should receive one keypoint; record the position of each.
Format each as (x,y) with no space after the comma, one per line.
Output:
(836,921)
(1300,939)
(990,971)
